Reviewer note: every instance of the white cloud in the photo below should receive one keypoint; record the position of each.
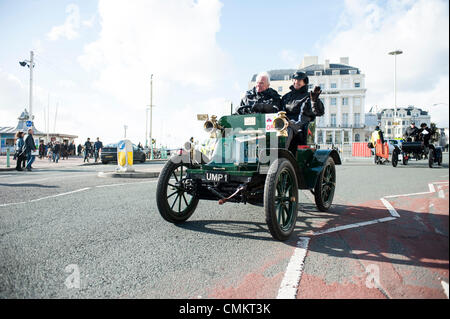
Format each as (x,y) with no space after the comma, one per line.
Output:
(368,31)
(69,29)
(175,41)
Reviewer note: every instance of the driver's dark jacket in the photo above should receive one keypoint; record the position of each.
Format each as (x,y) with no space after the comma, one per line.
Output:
(299,107)
(411,132)
(268,101)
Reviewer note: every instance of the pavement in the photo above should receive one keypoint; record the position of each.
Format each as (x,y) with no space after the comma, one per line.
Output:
(67,233)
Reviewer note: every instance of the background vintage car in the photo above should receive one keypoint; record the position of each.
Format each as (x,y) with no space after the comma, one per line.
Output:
(109,154)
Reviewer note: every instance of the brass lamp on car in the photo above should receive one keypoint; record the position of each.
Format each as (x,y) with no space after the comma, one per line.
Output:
(281,123)
(211,126)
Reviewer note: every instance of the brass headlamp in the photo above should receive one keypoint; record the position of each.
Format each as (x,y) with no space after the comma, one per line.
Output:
(281,123)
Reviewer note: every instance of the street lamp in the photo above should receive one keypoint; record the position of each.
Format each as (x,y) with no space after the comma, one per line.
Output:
(395,53)
(125,131)
(30,64)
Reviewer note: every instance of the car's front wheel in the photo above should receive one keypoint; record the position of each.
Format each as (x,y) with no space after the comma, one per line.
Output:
(174,202)
(281,199)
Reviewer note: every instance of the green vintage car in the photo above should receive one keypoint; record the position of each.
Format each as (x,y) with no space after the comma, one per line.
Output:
(250,164)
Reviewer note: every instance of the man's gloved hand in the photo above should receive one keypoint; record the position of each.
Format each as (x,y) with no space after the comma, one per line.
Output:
(315,94)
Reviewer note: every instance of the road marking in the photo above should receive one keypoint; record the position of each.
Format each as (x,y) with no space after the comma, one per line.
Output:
(72,192)
(61,194)
(445,286)
(339,228)
(291,280)
(5,175)
(121,184)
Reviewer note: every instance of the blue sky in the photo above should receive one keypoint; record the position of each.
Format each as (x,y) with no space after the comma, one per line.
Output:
(94,58)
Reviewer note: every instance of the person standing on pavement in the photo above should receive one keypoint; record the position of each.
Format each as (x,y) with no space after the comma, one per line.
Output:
(98,145)
(87,150)
(56,151)
(29,148)
(41,149)
(20,150)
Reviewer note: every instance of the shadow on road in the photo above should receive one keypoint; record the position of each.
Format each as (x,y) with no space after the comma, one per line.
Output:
(419,239)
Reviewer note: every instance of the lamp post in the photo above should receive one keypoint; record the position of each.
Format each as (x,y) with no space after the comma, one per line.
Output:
(125,131)
(395,53)
(30,64)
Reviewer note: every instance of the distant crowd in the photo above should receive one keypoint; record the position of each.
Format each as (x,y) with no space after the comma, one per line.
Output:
(26,151)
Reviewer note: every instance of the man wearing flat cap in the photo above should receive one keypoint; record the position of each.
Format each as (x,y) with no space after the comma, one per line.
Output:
(260,99)
(301,108)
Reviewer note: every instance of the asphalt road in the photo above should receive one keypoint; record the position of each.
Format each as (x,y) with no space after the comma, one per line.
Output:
(61,225)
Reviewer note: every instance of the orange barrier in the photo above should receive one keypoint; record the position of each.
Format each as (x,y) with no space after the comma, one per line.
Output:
(361,150)
(382,150)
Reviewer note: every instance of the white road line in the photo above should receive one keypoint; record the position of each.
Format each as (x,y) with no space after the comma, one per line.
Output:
(121,184)
(61,194)
(291,280)
(445,286)
(390,208)
(432,189)
(5,176)
(339,228)
(72,192)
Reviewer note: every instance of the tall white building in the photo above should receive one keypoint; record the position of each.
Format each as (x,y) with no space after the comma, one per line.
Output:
(343,95)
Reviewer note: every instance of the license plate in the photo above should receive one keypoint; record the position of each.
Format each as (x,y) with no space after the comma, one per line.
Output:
(216,177)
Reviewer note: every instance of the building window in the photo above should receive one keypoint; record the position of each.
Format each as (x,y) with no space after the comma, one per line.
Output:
(335,72)
(403,122)
(345,101)
(352,71)
(357,137)
(322,86)
(333,85)
(357,101)
(318,73)
(344,119)
(389,123)
(333,120)
(346,137)
(389,131)
(280,89)
(329,139)
(333,101)
(357,84)
(357,118)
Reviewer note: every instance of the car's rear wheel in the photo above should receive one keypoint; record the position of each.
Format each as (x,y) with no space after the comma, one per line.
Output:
(174,202)
(325,186)
(281,199)
(395,157)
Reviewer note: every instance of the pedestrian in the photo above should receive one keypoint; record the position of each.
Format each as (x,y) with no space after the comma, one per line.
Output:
(19,154)
(79,149)
(87,150)
(56,151)
(30,147)
(41,149)
(98,146)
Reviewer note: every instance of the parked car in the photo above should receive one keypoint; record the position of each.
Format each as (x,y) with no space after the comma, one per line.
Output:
(109,154)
